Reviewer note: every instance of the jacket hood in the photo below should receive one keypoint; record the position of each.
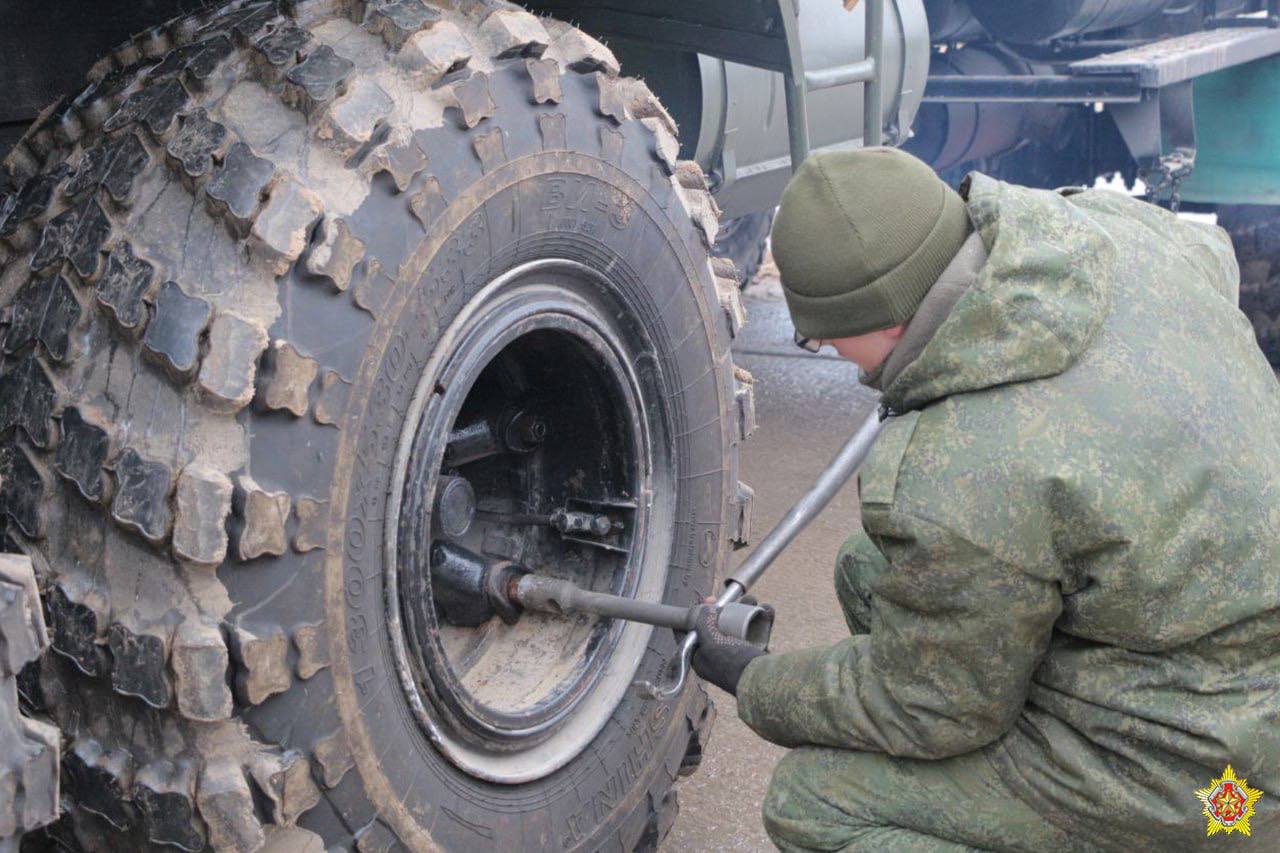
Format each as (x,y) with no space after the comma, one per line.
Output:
(1035,307)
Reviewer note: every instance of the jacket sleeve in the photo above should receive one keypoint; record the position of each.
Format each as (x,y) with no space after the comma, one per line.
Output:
(955,636)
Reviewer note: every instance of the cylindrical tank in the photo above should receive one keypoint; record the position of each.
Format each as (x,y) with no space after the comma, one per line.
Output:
(1031,21)
(742,136)
(947,135)
(951,21)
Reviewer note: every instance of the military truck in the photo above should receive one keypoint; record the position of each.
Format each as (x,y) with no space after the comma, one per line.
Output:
(316,312)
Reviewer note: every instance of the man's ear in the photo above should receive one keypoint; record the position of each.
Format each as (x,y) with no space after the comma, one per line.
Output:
(896,332)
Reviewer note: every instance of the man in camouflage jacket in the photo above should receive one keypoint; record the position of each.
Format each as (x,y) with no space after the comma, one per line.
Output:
(1065,599)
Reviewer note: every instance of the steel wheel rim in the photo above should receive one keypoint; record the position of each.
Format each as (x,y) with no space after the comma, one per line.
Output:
(546,296)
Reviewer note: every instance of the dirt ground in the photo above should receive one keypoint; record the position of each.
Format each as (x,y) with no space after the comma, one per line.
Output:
(807,405)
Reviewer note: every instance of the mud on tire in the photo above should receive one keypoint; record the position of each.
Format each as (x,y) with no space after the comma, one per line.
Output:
(228,265)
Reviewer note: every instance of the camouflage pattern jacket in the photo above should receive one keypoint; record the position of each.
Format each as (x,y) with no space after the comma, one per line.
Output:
(1079,502)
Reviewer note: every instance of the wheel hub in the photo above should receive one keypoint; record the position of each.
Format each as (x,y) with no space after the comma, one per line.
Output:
(533,444)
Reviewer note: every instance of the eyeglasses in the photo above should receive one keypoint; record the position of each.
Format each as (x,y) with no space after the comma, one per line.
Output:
(808,344)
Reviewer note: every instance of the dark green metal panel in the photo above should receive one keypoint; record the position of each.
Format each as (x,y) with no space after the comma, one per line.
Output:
(1237,136)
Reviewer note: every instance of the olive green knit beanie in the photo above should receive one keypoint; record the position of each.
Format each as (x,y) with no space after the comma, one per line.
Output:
(861,236)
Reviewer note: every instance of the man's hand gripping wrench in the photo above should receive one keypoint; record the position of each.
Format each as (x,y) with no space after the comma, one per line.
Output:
(836,474)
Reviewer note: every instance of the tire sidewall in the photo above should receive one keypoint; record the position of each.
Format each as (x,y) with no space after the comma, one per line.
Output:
(610,222)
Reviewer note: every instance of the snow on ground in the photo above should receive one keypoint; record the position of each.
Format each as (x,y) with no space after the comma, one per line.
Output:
(1139,188)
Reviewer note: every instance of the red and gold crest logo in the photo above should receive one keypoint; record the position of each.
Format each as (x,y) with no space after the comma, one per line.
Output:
(1228,803)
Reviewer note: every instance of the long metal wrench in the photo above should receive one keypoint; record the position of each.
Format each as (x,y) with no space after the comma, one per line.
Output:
(835,475)
(555,595)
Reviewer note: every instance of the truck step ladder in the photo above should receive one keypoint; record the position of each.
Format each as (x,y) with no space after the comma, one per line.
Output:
(798,83)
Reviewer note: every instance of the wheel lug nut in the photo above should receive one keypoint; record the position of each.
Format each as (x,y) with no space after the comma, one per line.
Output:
(526,431)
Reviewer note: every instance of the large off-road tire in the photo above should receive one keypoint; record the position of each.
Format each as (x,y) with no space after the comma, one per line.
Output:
(744,241)
(1255,231)
(278,277)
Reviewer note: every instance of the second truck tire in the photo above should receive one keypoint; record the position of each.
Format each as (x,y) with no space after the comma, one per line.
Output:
(1255,232)
(744,241)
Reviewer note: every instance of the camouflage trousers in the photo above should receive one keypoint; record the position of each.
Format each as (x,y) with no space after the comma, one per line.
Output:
(833,799)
